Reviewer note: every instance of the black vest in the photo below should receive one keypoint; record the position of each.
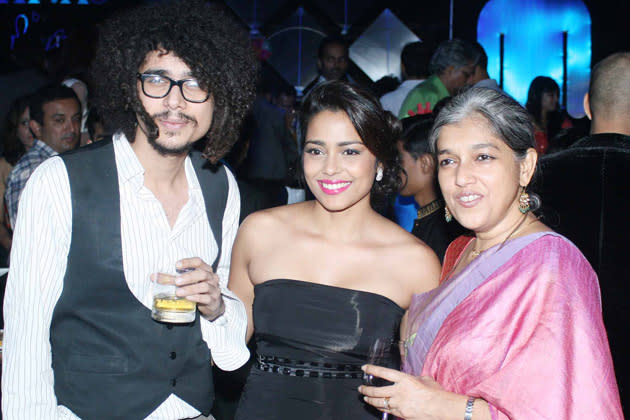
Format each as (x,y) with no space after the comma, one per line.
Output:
(110,359)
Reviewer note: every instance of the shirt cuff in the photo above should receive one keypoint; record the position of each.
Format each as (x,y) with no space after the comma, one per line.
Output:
(225,335)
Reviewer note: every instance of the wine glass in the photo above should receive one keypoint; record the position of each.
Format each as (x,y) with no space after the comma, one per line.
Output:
(386,353)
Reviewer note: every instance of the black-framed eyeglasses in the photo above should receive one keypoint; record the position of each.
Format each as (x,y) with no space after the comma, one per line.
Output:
(158,86)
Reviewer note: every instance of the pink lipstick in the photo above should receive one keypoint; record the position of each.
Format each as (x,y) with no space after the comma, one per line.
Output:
(331,187)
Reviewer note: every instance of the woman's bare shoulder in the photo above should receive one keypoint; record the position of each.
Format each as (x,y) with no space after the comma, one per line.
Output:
(419,255)
(402,240)
(411,258)
(272,220)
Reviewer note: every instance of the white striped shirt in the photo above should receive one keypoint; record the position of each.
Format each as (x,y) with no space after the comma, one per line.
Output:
(38,265)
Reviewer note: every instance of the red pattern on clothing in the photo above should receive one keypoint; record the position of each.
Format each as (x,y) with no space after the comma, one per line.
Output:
(542,140)
(542,143)
(453,252)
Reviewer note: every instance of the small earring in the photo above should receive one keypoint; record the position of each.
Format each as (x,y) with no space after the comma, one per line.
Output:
(379,174)
(523,202)
(447,214)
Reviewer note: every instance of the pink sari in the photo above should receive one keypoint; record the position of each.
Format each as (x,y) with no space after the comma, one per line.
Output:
(529,339)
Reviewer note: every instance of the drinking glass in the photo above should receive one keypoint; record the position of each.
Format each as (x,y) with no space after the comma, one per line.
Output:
(386,353)
(170,308)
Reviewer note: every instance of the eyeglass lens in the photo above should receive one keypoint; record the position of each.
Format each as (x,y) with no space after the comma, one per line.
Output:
(158,86)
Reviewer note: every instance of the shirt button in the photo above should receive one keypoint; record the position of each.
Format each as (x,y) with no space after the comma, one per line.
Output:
(173,382)
(173,355)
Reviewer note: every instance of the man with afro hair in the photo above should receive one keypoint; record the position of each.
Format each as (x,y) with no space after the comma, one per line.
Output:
(100,226)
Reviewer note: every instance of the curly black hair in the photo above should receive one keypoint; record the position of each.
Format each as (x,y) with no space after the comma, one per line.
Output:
(378,129)
(205,37)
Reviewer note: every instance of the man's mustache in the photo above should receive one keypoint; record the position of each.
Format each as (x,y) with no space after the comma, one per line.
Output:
(178,116)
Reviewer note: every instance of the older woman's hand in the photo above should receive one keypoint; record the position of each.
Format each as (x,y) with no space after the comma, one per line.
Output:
(410,397)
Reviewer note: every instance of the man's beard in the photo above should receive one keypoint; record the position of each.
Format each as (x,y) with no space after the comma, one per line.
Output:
(166,150)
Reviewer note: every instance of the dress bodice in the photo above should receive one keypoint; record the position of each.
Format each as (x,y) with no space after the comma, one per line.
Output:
(304,325)
(321,323)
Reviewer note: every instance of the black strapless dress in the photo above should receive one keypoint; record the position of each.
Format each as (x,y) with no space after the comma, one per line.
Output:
(311,340)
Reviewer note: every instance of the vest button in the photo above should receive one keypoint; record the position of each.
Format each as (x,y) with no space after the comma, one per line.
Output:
(173,382)
(173,355)
(169,326)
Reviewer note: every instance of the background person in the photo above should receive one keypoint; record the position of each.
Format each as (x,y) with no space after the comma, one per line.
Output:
(272,151)
(480,77)
(331,275)
(333,61)
(55,122)
(515,329)
(17,139)
(81,89)
(584,188)
(542,104)
(95,126)
(451,68)
(414,68)
(427,218)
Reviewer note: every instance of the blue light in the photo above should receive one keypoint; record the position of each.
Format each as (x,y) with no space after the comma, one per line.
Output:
(533,45)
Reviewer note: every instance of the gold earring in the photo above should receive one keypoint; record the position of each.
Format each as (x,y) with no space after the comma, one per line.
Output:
(523,202)
(447,214)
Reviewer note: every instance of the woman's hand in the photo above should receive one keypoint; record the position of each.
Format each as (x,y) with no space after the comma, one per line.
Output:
(411,397)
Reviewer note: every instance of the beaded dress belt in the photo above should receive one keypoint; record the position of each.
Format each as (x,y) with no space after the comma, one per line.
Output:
(290,367)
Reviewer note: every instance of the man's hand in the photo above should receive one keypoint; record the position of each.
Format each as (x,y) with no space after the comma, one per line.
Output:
(198,284)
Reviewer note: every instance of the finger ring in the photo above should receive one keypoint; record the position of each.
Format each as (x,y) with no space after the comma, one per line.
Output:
(386,403)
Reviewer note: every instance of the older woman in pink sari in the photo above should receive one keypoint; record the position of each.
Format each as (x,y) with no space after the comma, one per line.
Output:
(514,331)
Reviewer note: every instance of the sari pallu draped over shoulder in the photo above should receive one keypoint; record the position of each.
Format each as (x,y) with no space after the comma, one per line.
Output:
(529,338)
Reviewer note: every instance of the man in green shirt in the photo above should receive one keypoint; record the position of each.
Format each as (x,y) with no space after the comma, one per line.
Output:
(451,68)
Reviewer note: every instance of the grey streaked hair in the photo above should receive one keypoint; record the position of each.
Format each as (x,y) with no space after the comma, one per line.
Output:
(507,119)
(454,52)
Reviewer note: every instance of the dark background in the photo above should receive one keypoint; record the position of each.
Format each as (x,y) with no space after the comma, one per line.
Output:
(428,19)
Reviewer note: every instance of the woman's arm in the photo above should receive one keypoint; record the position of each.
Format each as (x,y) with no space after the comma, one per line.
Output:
(239,281)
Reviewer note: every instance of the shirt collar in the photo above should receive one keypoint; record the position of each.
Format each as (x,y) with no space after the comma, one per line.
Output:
(411,82)
(40,146)
(131,171)
(437,82)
